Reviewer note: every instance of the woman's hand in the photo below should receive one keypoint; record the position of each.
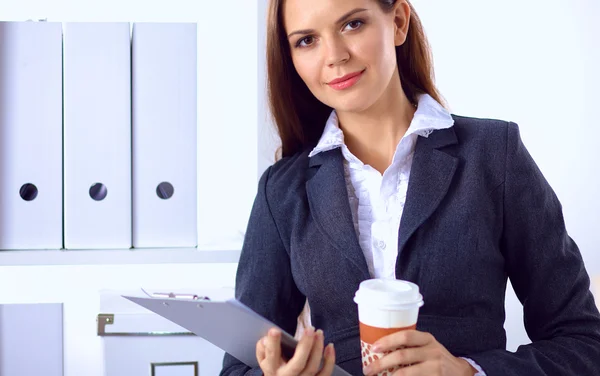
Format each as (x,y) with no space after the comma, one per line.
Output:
(306,360)
(421,354)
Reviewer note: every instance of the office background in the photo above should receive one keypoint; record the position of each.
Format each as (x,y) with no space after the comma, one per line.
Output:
(531,62)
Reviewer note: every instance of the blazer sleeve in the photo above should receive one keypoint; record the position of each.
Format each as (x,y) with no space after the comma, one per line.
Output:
(549,278)
(264,277)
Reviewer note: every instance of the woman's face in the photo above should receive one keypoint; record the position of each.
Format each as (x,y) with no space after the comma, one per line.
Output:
(344,50)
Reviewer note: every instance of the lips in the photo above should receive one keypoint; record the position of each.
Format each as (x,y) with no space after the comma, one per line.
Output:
(345,78)
(346,82)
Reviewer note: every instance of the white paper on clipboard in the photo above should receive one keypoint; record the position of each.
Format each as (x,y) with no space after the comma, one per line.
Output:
(227,323)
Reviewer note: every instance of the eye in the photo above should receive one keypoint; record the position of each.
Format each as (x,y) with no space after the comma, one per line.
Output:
(305,42)
(353,25)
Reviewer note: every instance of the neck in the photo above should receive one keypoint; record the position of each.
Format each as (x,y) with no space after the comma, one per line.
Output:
(373,135)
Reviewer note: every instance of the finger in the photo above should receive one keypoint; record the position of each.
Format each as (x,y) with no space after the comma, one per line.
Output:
(329,362)
(273,350)
(316,355)
(260,350)
(403,338)
(403,357)
(303,349)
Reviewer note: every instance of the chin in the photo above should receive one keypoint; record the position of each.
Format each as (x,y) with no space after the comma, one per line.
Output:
(358,104)
(354,100)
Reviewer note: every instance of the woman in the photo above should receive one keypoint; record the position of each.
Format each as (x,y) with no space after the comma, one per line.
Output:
(378,180)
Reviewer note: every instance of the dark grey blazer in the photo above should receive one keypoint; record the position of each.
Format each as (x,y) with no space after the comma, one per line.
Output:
(478,211)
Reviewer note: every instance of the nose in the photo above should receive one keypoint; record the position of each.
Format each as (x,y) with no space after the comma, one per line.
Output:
(336,52)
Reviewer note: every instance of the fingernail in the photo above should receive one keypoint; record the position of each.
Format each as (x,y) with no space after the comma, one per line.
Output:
(310,332)
(273,332)
(320,333)
(376,348)
(264,341)
(329,350)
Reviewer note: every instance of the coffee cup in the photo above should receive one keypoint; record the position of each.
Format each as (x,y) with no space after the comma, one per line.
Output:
(385,306)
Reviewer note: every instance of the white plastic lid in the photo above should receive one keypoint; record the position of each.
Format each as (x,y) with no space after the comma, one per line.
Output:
(389,294)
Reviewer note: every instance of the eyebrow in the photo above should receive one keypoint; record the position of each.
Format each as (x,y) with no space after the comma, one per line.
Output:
(340,20)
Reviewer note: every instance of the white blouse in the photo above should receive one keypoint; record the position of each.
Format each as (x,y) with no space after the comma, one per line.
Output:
(377,201)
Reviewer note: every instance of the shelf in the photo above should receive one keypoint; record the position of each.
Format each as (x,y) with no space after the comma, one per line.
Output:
(116,256)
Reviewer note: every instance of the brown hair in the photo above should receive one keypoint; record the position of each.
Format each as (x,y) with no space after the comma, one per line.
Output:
(299,116)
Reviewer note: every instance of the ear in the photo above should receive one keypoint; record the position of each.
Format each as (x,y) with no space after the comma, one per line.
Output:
(401,22)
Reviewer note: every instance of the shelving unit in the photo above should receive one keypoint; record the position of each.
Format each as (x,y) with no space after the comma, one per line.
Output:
(118,257)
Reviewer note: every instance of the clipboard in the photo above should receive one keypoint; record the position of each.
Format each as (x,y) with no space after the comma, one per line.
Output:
(226,323)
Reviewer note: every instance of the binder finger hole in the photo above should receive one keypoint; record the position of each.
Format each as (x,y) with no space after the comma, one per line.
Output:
(98,192)
(165,190)
(28,192)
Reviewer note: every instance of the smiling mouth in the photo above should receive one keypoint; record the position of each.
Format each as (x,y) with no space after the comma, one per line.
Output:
(347,81)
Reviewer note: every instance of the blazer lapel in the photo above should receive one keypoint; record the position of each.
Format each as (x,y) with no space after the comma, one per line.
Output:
(431,174)
(329,205)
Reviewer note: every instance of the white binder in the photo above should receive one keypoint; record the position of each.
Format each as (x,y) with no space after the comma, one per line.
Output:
(164,135)
(30,135)
(226,323)
(31,339)
(97,135)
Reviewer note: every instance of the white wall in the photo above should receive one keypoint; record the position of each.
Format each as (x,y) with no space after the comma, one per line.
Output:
(533,62)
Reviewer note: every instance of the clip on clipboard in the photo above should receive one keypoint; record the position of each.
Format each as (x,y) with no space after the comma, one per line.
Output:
(227,324)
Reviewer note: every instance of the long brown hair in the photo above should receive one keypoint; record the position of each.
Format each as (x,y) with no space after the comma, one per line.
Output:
(299,116)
